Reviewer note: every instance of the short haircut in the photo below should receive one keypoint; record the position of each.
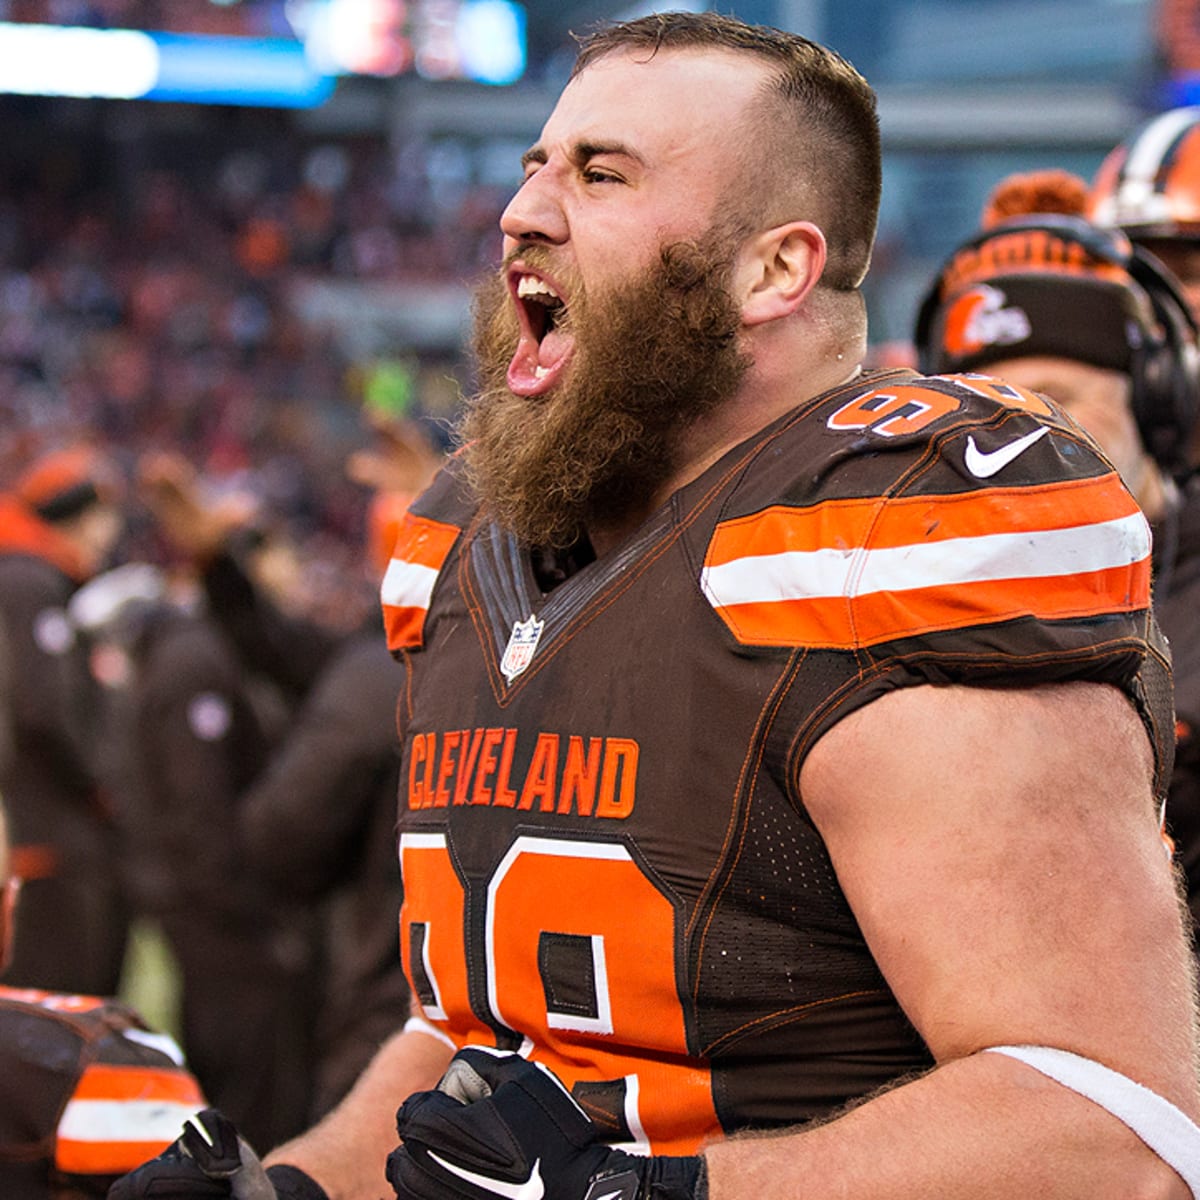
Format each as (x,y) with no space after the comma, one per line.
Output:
(814,147)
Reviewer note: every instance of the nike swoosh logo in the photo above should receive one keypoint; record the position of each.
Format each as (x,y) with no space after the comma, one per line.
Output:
(984,465)
(530,1189)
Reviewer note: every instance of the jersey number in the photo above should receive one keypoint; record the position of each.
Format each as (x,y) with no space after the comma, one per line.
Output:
(899,410)
(577,953)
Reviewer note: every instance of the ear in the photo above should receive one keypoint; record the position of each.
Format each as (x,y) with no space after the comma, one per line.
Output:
(779,267)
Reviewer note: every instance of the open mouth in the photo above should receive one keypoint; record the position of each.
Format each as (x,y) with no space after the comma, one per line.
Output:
(542,305)
(545,344)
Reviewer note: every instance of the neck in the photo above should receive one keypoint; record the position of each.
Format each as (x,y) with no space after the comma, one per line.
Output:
(819,347)
(706,442)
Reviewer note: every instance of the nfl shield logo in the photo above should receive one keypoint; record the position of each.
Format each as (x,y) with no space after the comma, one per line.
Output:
(522,642)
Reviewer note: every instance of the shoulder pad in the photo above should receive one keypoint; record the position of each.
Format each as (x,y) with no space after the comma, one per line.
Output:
(953,503)
(421,549)
(911,405)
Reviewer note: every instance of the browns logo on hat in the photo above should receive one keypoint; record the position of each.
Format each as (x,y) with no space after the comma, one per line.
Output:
(1057,287)
(981,317)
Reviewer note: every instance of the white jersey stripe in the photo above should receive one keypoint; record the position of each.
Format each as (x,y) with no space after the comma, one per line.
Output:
(123,1120)
(407,585)
(1036,554)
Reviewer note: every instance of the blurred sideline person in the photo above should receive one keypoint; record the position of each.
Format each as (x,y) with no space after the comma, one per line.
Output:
(318,822)
(59,523)
(185,744)
(1149,187)
(1042,299)
(768,727)
(87,1091)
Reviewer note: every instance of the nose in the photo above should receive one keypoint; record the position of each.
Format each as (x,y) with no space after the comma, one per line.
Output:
(535,214)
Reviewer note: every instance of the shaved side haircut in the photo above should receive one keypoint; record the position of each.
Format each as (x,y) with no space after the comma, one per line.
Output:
(812,147)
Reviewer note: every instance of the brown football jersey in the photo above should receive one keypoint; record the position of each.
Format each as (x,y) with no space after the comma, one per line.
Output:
(606,857)
(87,1092)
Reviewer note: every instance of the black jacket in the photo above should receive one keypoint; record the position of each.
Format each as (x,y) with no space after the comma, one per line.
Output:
(320,822)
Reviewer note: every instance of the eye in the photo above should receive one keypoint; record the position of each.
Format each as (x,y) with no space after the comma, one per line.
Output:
(598,175)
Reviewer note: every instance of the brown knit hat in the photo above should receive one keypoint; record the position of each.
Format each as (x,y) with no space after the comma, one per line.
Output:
(1038,279)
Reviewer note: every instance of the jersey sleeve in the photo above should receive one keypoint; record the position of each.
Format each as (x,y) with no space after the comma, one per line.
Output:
(121,1115)
(87,1092)
(426,536)
(956,530)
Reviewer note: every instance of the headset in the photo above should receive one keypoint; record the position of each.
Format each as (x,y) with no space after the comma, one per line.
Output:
(1164,366)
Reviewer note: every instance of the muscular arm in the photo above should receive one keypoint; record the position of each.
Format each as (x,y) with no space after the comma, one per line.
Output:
(1001,852)
(346,1152)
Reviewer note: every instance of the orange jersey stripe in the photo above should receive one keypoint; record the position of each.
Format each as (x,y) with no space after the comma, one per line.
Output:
(853,573)
(833,623)
(113,1157)
(847,524)
(422,547)
(119,1116)
(107,1081)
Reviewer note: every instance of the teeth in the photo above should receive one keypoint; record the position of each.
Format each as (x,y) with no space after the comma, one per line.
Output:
(531,285)
(541,372)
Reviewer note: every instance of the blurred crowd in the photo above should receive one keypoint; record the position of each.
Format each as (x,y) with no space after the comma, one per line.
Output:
(197,731)
(159,309)
(257,18)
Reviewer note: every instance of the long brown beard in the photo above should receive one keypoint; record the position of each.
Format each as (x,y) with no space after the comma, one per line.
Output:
(649,360)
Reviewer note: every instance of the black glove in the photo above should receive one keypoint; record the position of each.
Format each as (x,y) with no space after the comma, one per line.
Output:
(209,1161)
(499,1127)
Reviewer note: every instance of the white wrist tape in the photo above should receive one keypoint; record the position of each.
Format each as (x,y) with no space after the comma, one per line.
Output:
(1168,1131)
(420,1025)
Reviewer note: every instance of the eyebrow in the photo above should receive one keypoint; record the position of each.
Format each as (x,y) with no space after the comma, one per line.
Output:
(583,152)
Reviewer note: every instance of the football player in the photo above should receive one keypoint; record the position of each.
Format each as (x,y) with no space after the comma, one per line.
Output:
(1149,187)
(782,743)
(185,740)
